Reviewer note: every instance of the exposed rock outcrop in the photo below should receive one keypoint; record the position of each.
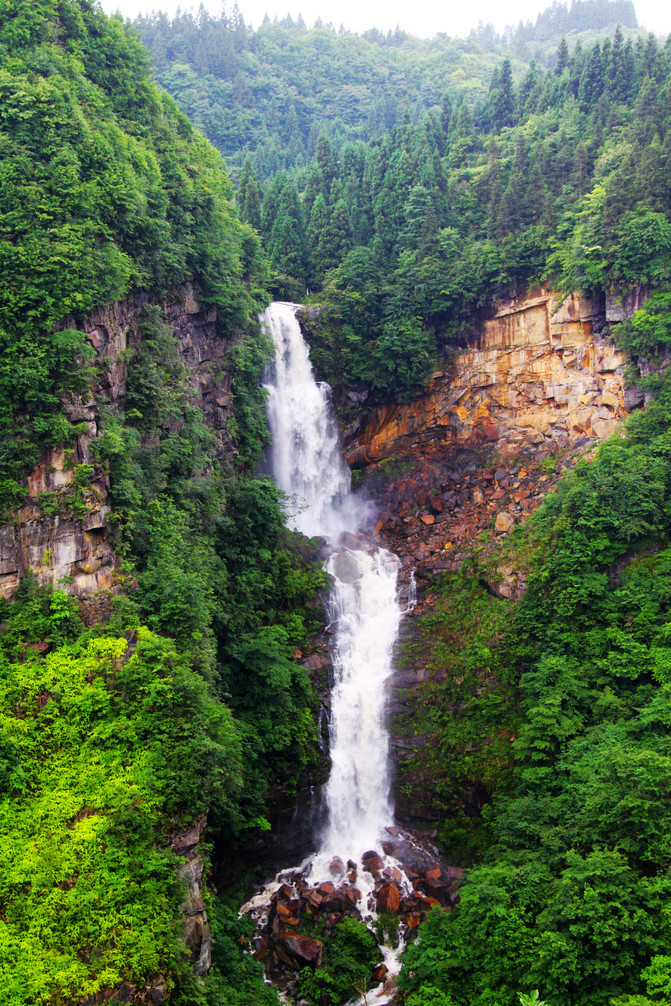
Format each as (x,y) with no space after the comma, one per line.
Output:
(197,935)
(62,531)
(540,370)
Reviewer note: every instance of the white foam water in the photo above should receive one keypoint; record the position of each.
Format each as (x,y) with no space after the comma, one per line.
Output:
(364,609)
(364,605)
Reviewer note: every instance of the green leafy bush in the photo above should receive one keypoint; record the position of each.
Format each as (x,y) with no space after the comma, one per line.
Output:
(350,953)
(118,744)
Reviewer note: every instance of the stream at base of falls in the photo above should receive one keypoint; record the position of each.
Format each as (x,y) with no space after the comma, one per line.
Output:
(356,869)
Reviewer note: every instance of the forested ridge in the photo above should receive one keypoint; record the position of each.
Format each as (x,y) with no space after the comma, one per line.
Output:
(273,92)
(445,173)
(559,179)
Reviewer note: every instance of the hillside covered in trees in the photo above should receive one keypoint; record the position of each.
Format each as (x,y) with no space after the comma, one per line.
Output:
(561,178)
(118,734)
(407,184)
(271,93)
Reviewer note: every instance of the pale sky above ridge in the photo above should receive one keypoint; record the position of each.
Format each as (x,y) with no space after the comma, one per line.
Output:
(423,17)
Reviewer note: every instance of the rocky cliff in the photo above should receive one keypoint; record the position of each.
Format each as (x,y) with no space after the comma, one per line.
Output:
(456,468)
(62,533)
(471,453)
(540,371)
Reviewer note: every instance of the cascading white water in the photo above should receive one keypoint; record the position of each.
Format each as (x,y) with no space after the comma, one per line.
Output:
(305,448)
(364,607)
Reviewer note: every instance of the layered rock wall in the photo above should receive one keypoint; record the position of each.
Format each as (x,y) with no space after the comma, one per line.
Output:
(539,370)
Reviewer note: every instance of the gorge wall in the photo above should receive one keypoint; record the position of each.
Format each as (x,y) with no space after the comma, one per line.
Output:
(540,370)
(456,468)
(62,531)
(466,456)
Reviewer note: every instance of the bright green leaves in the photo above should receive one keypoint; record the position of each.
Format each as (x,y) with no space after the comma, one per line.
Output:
(648,331)
(118,743)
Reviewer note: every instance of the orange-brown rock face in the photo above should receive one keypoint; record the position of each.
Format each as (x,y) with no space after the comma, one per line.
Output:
(539,372)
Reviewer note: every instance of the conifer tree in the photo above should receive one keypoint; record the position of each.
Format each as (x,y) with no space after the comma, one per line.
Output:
(562,57)
(503,98)
(249,197)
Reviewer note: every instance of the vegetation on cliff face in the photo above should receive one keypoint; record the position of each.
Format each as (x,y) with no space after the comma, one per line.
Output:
(113,738)
(105,188)
(107,746)
(571,890)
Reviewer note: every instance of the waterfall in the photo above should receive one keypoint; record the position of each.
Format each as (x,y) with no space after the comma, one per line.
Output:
(364,609)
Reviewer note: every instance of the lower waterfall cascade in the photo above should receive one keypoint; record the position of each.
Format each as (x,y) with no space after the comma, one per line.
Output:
(365,613)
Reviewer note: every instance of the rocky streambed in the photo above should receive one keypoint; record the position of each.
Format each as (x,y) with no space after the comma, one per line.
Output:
(297,913)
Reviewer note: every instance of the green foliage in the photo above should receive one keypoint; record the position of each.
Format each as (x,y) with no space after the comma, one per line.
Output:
(90,148)
(409,216)
(235,979)
(118,744)
(571,891)
(38,615)
(269,92)
(350,954)
(466,713)
(533,999)
(648,331)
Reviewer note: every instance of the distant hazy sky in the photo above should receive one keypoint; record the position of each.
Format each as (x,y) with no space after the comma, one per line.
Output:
(421,17)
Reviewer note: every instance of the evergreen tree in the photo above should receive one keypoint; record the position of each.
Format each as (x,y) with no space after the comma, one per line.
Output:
(562,57)
(502,102)
(445,114)
(592,81)
(317,240)
(249,197)
(286,240)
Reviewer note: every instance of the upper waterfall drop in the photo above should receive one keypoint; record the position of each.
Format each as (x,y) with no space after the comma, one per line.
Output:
(364,608)
(305,451)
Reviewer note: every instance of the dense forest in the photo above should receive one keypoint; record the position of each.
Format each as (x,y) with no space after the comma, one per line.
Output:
(561,178)
(419,181)
(272,93)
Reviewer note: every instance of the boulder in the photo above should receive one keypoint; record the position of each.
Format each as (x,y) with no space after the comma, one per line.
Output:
(504,523)
(345,567)
(389,898)
(372,862)
(301,951)
(380,972)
